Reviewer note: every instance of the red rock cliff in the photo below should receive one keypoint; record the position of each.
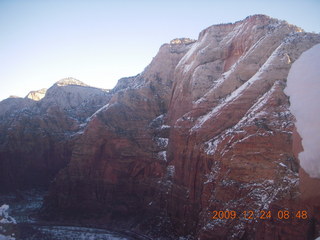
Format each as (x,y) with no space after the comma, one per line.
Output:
(205,127)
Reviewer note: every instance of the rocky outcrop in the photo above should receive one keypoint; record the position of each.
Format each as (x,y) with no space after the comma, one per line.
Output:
(37,95)
(36,136)
(205,127)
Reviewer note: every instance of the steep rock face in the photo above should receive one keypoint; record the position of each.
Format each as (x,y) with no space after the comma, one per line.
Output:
(117,162)
(224,57)
(36,136)
(231,143)
(205,127)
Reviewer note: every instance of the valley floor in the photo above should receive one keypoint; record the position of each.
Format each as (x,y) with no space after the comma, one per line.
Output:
(24,207)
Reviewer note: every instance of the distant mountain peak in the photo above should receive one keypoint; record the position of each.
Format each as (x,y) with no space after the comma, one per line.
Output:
(14,96)
(69,81)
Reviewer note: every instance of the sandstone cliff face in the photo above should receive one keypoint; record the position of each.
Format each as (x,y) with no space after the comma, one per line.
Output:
(205,127)
(36,136)
(231,143)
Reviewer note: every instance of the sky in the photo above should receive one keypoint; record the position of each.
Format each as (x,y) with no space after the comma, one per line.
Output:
(100,41)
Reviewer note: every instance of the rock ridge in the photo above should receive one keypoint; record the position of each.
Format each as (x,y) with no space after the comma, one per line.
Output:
(37,131)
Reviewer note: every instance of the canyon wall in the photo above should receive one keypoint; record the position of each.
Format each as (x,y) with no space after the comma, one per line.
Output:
(205,127)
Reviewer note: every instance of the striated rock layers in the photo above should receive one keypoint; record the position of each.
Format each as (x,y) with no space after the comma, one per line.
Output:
(205,127)
(37,132)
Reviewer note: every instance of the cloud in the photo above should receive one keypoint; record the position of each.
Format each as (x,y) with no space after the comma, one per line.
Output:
(303,88)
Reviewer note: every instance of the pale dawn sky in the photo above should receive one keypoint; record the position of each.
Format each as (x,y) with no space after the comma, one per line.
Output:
(98,42)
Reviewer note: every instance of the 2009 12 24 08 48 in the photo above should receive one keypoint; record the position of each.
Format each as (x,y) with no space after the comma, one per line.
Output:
(262,214)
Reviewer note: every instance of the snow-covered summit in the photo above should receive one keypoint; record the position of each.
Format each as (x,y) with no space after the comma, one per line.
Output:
(70,81)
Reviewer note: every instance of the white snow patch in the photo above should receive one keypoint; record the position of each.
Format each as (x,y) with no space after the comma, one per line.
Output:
(159,118)
(3,237)
(98,111)
(4,215)
(255,110)
(162,142)
(213,174)
(170,171)
(188,67)
(212,146)
(266,192)
(162,155)
(275,24)
(210,178)
(282,165)
(192,51)
(81,233)
(303,87)
(164,127)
